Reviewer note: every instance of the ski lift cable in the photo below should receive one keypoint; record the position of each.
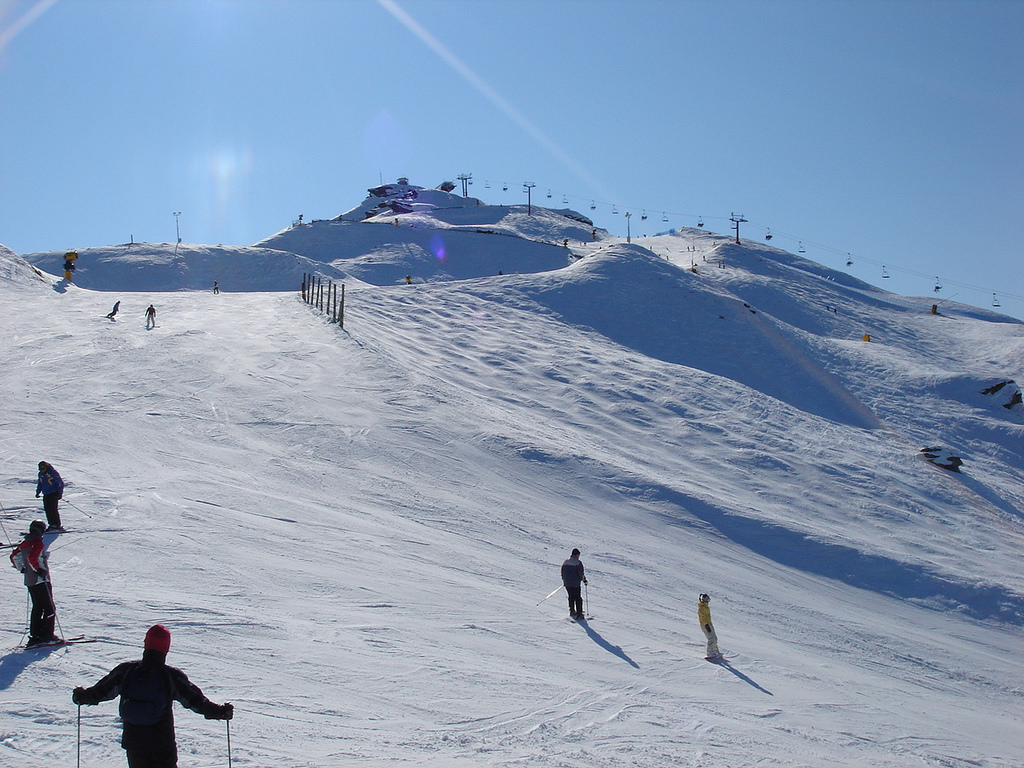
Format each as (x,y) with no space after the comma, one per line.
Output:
(593,203)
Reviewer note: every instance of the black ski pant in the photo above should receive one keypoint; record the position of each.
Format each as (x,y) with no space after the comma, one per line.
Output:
(145,759)
(575,601)
(43,613)
(50,507)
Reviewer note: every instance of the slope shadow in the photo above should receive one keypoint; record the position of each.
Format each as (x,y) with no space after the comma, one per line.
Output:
(16,662)
(613,649)
(743,677)
(875,573)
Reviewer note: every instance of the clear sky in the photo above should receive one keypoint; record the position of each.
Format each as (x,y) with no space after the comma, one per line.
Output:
(890,131)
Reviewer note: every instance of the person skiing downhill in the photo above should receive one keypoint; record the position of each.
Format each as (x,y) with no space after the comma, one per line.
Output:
(704,617)
(148,689)
(572,576)
(117,306)
(150,317)
(51,486)
(30,558)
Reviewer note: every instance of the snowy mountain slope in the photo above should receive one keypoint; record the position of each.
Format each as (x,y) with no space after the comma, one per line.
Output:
(348,532)
(14,270)
(164,267)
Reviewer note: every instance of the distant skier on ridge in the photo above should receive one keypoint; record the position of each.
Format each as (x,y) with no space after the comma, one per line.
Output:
(150,317)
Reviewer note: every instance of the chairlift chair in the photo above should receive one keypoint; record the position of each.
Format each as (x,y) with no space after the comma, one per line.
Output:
(800,248)
(995,301)
(565,199)
(849,260)
(614,209)
(549,194)
(938,286)
(700,221)
(593,205)
(643,215)
(768,234)
(885,275)
(504,187)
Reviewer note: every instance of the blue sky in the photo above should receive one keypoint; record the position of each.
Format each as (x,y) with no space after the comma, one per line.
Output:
(889,131)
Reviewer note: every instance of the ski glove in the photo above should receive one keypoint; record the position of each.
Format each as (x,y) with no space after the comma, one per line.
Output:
(225,712)
(80,697)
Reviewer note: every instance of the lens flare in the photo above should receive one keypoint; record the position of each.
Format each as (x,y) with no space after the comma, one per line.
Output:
(10,8)
(437,248)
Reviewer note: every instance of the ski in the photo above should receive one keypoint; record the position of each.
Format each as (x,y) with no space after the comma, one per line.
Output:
(716,659)
(56,643)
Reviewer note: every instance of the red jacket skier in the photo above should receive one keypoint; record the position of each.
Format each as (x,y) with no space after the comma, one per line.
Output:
(30,558)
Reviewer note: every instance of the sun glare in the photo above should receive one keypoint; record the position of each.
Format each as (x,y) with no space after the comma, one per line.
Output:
(16,15)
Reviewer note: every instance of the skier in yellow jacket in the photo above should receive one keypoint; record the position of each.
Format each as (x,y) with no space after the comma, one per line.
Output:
(704,617)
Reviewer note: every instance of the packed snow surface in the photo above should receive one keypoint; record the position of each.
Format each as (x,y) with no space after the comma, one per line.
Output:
(350,532)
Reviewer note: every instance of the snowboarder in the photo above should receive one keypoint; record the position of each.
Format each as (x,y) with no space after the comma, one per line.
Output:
(117,306)
(51,487)
(150,317)
(148,689)
(572,577)
(704,617)
(30,558)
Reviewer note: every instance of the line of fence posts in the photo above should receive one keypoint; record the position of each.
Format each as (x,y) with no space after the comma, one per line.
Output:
(325,296)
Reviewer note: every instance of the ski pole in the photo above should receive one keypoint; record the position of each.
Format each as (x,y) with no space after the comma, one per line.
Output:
(75,506)
(53,604)
(553,593)
(2,526)
(586,599)
(227,725)
(79,747)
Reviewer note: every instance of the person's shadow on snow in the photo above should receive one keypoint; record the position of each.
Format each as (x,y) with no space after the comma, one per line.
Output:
(744,678)
(16,662)
(606,645)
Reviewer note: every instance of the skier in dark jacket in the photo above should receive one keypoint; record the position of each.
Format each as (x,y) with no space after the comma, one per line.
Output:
(51,487)
(148,688)
(572,577)
(30,558)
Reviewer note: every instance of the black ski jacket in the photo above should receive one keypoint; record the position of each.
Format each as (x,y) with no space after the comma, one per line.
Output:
(148,688)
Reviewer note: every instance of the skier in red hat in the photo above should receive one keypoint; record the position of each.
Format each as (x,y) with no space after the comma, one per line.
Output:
(147,689)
